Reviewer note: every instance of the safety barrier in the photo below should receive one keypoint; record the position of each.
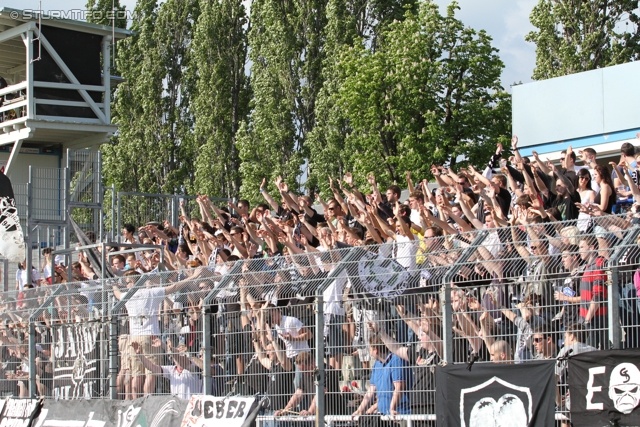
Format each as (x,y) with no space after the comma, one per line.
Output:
(304,328)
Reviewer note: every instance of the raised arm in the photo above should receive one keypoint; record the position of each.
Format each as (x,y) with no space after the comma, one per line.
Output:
(156,369)
(338,196)
(267,196)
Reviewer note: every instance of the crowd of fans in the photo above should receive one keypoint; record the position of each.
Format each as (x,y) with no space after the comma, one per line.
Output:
(534,286)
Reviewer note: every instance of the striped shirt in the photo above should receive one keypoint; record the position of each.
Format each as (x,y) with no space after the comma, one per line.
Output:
(593,287)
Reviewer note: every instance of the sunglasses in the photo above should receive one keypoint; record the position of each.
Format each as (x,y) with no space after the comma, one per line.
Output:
(330,209)
(533,247)
(537,340)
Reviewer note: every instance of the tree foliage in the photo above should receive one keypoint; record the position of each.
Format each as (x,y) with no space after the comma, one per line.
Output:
(215,100)
(286,40)
(106,12)
(154,149)
(348,23)
(429,94)
(221,99)
(576,35)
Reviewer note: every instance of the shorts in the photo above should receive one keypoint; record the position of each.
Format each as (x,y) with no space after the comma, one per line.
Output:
(123,348)
(151,353)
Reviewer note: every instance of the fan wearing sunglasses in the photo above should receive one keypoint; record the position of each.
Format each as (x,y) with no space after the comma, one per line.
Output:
(544,344)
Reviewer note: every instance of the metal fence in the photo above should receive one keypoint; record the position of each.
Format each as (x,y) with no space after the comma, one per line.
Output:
(304,327)
(144,208)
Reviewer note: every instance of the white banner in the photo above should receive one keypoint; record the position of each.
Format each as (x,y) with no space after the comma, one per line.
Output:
(209,411)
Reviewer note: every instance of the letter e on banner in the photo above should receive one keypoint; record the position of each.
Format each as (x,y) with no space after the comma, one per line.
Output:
(206,411)
(591,389)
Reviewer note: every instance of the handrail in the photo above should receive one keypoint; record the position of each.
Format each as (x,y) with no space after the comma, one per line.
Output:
(13,88)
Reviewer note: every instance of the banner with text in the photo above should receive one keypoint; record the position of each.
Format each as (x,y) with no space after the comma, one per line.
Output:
(209,411)
(18,412)
(605,388)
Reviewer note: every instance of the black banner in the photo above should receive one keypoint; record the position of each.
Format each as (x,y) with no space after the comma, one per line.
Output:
(76,367)
(604,388)
(18,412)
(156,411)
(496,395)
(11,237)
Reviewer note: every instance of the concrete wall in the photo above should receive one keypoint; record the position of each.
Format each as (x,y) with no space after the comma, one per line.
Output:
(602,105)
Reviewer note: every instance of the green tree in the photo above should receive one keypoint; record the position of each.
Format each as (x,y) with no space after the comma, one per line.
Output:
(429,94)
(574,35)
(106,12)
(155,148)
(286,50)
(348,23)
(221,100)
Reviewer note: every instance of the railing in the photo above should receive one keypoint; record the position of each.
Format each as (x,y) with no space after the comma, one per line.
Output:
(142,208)
(13,104)
(506,295)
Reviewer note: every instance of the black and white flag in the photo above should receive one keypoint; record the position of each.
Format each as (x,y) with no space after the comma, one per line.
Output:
(492,395)
(11,238)
(377,277)
(604,388)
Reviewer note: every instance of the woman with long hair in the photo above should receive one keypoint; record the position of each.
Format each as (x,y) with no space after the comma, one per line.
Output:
(587,195)
(606,198)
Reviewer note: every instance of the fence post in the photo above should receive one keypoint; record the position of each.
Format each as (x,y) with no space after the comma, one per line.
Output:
(33,386)
(206,347)
(27,237)
(113,356)
(113,214)
(320,374)
(446,281)
(67,218)
(116,232)
(613,282)
(175,203)
(5,270)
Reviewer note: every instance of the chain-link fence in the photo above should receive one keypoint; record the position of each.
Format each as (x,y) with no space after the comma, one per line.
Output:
(329,333)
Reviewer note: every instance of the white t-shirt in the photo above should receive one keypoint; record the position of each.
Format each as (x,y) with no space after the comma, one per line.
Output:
(21,277)
(144,310)
(291,325)
(90,295)
(333,295)
(183,384)
(492,243)
(415,216)
(405,251)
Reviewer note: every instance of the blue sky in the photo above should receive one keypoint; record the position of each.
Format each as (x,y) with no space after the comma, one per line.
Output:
(507,21)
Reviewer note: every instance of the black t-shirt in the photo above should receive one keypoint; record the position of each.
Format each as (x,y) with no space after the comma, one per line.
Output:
(504,200)
(570,286)
(314,219)
(279,387)
(424,377)
(567,206)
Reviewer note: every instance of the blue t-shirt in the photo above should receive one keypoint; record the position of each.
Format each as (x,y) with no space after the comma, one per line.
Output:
(384,375)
